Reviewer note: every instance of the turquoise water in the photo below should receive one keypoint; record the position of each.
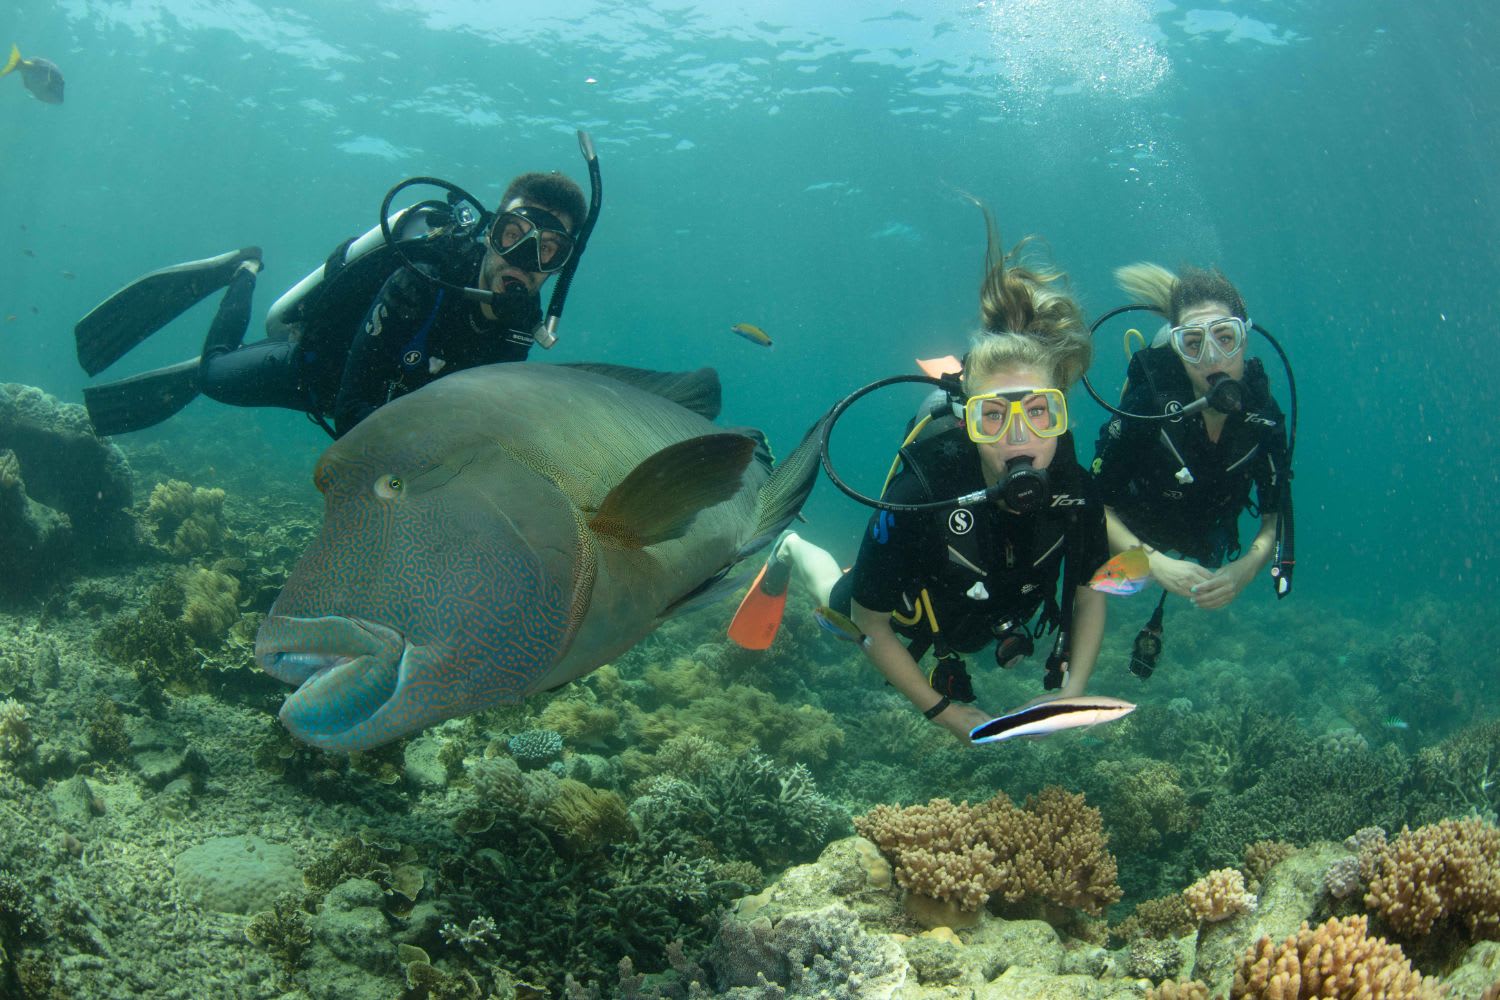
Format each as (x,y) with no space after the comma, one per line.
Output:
(796,168)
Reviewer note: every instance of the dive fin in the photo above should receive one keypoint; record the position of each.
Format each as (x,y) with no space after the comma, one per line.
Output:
(782,496)
(758,618)
(13,61)
(141,400)
(698,391)
(660,497)
(149,303)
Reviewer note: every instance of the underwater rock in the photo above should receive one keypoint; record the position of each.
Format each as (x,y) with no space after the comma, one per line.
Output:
(1289,895)
(241,874)
(352,925)
(1479,969)
(67,468)
(35,541)
(1006,944)
(1025,983)
(819,955)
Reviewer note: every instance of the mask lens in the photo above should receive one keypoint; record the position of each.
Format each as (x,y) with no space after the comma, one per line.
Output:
(1220,338)
(531,239)
(991,416)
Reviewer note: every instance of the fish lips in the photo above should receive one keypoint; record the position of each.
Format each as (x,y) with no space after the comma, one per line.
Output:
(349,673)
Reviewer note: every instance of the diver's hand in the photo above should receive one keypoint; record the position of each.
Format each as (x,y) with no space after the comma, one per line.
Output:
(960,719)
(1177,576)
(1222,587)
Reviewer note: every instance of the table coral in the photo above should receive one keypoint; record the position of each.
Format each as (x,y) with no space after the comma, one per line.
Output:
(1336,960)
(1444,871)
(1053,849)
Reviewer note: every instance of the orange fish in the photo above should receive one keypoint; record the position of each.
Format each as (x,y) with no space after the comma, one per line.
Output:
(1126,573)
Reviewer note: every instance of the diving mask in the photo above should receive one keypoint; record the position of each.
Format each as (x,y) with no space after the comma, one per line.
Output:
(531,239)
(1009,414)
(1217,340)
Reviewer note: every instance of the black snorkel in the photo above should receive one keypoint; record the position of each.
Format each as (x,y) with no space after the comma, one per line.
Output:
(1227,396)
(546,333)
(469,218)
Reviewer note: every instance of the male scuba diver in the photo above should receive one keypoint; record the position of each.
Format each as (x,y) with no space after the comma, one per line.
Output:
(434,289)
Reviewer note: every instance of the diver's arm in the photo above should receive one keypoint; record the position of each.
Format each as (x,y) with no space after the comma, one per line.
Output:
(885,650)
(1225,585)
(373,363)
(1178,576)
(1088,634)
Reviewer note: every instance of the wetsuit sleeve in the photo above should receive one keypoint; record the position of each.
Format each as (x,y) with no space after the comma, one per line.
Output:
(1123,442)
(893,550)
(404,302)
(1089,546)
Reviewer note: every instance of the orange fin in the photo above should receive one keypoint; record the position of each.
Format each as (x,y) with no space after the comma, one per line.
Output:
(938,367)
(759,616)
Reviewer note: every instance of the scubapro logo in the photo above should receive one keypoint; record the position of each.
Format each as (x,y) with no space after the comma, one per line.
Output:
(411,357)
(961,522)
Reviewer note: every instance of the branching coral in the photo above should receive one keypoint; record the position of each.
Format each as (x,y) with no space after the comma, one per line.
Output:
(1263,855)
(1219,895)
(1448,871)
(1052,849)
(185,520)
(1337,961)
(1192,989)
(15,730)
(1166,917)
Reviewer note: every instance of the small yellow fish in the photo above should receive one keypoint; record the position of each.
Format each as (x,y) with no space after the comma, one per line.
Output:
(839,626)
(1126,573)
(752,333)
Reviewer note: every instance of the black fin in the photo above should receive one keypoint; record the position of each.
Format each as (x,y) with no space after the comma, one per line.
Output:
(662,495)
(698,391)
(149,303)
(141,400)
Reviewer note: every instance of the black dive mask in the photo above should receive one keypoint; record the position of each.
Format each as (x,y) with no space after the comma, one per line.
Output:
(1023,487)
(531,239)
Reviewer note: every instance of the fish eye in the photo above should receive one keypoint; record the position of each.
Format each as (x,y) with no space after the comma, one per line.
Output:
(389,487)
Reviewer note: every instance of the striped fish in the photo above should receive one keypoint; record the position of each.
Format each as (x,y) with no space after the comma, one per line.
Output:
(1051,716)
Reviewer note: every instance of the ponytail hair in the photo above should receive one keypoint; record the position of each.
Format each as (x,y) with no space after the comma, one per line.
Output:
(1028,317)
(1172,294)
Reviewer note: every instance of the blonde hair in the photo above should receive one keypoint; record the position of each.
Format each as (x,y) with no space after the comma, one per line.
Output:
(1028,317)
(1170,294)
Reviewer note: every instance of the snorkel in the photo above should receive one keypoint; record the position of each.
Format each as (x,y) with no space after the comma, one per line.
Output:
(468,218)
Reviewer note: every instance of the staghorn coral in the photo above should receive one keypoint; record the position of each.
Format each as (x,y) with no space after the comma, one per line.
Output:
(15,730)
(1336,961)
(1263,855)
(1166,917)
(1053,848)
(1219,895)
(1447,871)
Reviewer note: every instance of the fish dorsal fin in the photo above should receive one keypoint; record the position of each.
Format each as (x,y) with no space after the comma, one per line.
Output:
(660,497)
(698,391)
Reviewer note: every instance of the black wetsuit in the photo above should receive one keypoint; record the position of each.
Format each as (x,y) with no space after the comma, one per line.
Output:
(1137,471)
(982,567)
(412,332)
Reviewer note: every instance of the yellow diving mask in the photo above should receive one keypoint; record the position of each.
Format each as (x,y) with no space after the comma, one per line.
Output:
(1009,413)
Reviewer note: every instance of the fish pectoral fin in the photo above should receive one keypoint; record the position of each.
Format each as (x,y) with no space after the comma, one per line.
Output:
(660,497)
(13,61)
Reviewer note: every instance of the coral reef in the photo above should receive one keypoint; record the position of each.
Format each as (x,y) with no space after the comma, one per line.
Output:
(1219,895)
(36,542)
(66,468)
(1447,871)
(535,748)
(185,520)
(15,730)
(1263,855)
(1337,960)
(1053,849)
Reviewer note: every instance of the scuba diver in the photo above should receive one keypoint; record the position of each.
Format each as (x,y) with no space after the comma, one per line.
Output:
(988,514)
(1195,429)
(434,289)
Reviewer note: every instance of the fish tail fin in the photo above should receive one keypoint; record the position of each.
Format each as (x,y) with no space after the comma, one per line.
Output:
(13,61)
(783,495)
